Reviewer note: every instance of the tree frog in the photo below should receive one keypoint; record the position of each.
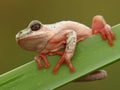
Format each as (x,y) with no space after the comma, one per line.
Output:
(49,39)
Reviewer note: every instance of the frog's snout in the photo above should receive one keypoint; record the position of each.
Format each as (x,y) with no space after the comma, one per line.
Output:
(22,33)
(18,35)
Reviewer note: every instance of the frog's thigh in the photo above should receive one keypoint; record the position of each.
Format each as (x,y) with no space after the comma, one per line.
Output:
(97,75)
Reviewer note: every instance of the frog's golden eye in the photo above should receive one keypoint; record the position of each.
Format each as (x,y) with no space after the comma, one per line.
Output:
(35,26)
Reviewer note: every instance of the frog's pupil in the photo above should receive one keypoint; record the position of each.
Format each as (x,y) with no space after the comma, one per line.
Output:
(35,27)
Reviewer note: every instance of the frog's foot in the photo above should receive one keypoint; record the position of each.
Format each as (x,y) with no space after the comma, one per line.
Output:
(97,75)
(61,60)
(100,26)
(42,57)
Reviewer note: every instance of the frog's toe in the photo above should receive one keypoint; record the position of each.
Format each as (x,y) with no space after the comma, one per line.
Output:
(47,65)
(40,66)
(107,33)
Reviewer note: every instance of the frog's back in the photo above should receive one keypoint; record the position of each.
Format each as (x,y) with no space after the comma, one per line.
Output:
(81,30)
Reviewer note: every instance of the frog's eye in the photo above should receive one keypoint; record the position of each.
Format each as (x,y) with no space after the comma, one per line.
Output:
(35,26)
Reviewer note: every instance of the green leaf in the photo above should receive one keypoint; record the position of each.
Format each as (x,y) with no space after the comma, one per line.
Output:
(90,55)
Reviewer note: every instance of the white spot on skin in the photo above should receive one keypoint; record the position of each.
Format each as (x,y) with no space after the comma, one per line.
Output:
(71,41)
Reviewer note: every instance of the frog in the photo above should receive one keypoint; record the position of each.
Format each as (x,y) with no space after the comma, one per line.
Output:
(49,39)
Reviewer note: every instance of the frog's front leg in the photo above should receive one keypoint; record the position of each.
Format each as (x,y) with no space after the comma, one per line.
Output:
(71,39)
(100,26)
(41,57)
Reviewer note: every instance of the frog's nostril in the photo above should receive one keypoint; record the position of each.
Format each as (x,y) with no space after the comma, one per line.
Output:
(20,32)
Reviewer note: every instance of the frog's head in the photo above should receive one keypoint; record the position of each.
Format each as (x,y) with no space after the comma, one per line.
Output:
(29,37)
(34,26)
(35,36)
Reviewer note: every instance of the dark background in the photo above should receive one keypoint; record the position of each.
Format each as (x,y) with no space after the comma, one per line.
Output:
(16,14)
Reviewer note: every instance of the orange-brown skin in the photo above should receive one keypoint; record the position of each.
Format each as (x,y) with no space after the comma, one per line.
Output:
(50,38)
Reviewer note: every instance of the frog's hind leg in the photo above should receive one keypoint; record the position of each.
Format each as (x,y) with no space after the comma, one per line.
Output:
(99,26)
(97,75)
